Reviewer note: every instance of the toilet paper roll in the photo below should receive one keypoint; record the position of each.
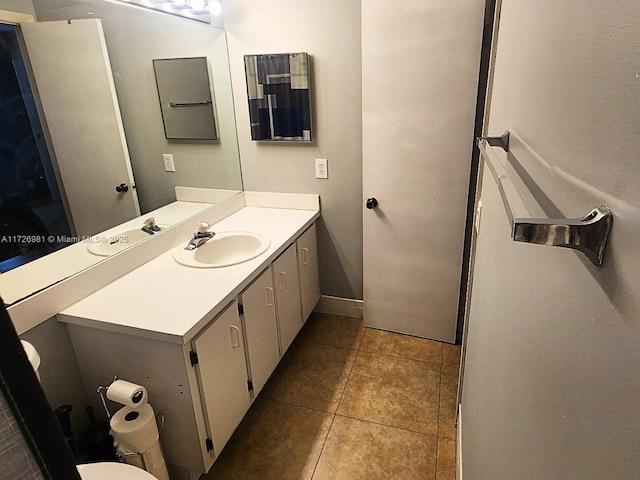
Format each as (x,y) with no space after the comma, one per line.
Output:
(134,428)
(127,393)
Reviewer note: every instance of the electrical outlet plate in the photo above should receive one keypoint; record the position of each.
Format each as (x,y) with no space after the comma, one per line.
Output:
(169,166)
(322,168)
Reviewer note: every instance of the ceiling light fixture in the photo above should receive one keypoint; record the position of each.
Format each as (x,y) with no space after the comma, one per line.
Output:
(200,10)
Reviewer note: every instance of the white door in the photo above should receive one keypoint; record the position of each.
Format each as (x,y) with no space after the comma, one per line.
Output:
(74,81)
(552,375)
(420,68)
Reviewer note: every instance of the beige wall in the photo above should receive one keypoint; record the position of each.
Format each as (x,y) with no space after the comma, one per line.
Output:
(330,32)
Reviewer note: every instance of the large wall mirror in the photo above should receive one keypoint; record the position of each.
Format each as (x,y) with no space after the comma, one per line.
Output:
(134,37)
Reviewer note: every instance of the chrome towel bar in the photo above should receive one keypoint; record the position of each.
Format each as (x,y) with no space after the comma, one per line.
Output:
(588,234)
(189,104)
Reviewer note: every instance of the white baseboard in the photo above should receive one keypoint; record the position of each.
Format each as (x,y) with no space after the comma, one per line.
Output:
(344,307)
(459,445)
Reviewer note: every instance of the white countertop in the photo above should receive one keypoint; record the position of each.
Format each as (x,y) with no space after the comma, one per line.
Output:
(171,302)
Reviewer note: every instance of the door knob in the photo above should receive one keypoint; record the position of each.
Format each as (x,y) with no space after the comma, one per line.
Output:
(371,203)
(123,187)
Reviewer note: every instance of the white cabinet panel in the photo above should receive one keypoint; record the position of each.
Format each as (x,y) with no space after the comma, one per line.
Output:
(261,329)
(307,246)
(287,288)
(222,372)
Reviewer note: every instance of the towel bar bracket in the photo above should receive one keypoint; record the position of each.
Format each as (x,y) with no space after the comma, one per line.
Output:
(502,141)
(588,234)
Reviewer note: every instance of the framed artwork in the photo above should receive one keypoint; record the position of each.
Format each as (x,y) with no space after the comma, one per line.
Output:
(278,89)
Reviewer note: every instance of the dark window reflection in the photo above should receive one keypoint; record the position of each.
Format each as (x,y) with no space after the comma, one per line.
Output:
(32,215)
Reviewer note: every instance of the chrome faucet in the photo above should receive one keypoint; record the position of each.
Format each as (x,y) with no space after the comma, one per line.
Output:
(202,236)
(150,226)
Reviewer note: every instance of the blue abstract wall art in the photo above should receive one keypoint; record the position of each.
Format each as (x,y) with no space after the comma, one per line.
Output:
(279,97)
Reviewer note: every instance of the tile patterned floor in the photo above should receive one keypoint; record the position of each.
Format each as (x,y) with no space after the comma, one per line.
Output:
(350,403)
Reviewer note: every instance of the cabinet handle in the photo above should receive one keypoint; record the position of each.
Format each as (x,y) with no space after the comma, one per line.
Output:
(235,336)
(283,281)
(269,296)
(305,256)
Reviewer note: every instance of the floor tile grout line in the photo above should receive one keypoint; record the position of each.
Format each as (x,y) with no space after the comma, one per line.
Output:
(435,475)
(364,334)
(346,383)
(400,356)
(319,410)
(299,406)
(324,443)
(440,388)
(326,344)
(386,425)
(358,348)
(319,342)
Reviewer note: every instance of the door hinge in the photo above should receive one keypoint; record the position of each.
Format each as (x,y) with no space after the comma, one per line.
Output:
(250,385)
(209,444)
(240,309)
(193,356)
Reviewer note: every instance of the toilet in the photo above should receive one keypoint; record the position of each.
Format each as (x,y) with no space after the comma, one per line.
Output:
(111,470)
(100,470)
(33,356)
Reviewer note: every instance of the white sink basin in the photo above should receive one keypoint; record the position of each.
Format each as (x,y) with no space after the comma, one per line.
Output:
(223,250)
(106,245)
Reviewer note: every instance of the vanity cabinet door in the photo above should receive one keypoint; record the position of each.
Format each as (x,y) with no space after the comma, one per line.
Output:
(222,375)
(307,247)
(287,288)
(261,329)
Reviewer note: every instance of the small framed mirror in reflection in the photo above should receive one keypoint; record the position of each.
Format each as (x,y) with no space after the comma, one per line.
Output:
(185,98)
(278,90)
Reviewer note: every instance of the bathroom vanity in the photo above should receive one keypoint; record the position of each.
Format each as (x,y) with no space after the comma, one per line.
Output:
(203,341)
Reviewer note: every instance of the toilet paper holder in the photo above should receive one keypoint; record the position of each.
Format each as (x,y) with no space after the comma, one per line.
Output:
(102,391)
(132,454)
(137,444)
